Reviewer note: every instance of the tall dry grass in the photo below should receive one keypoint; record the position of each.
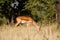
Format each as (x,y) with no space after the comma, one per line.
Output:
(10,32)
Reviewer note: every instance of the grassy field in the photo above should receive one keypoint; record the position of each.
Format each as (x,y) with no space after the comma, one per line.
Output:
(9,32)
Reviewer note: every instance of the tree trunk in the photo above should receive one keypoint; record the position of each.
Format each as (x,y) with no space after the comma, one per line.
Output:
(58,13)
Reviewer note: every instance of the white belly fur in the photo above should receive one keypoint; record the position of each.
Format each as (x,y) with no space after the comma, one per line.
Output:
(23,21)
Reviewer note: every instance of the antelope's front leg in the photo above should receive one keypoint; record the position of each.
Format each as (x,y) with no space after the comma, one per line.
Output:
(28,24)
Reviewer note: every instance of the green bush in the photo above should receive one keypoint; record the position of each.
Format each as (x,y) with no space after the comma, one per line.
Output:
(44,9)
(2,20)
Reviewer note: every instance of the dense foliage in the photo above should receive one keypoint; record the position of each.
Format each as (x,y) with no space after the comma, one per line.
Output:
(42,10)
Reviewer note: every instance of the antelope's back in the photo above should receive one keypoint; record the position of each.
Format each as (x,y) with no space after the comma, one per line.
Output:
(24,18)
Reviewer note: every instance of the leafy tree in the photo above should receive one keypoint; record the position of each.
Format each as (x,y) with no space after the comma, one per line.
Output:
(44,9)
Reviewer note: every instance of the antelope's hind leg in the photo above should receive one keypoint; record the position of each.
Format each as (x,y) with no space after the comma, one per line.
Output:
(18,22)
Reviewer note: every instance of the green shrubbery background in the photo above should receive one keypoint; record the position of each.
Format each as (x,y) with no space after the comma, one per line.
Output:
(44,10)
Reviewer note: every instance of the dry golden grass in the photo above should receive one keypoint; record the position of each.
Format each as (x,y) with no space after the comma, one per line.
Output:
(22,33)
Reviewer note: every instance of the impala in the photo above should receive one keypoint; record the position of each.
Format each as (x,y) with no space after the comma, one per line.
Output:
(27,20)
